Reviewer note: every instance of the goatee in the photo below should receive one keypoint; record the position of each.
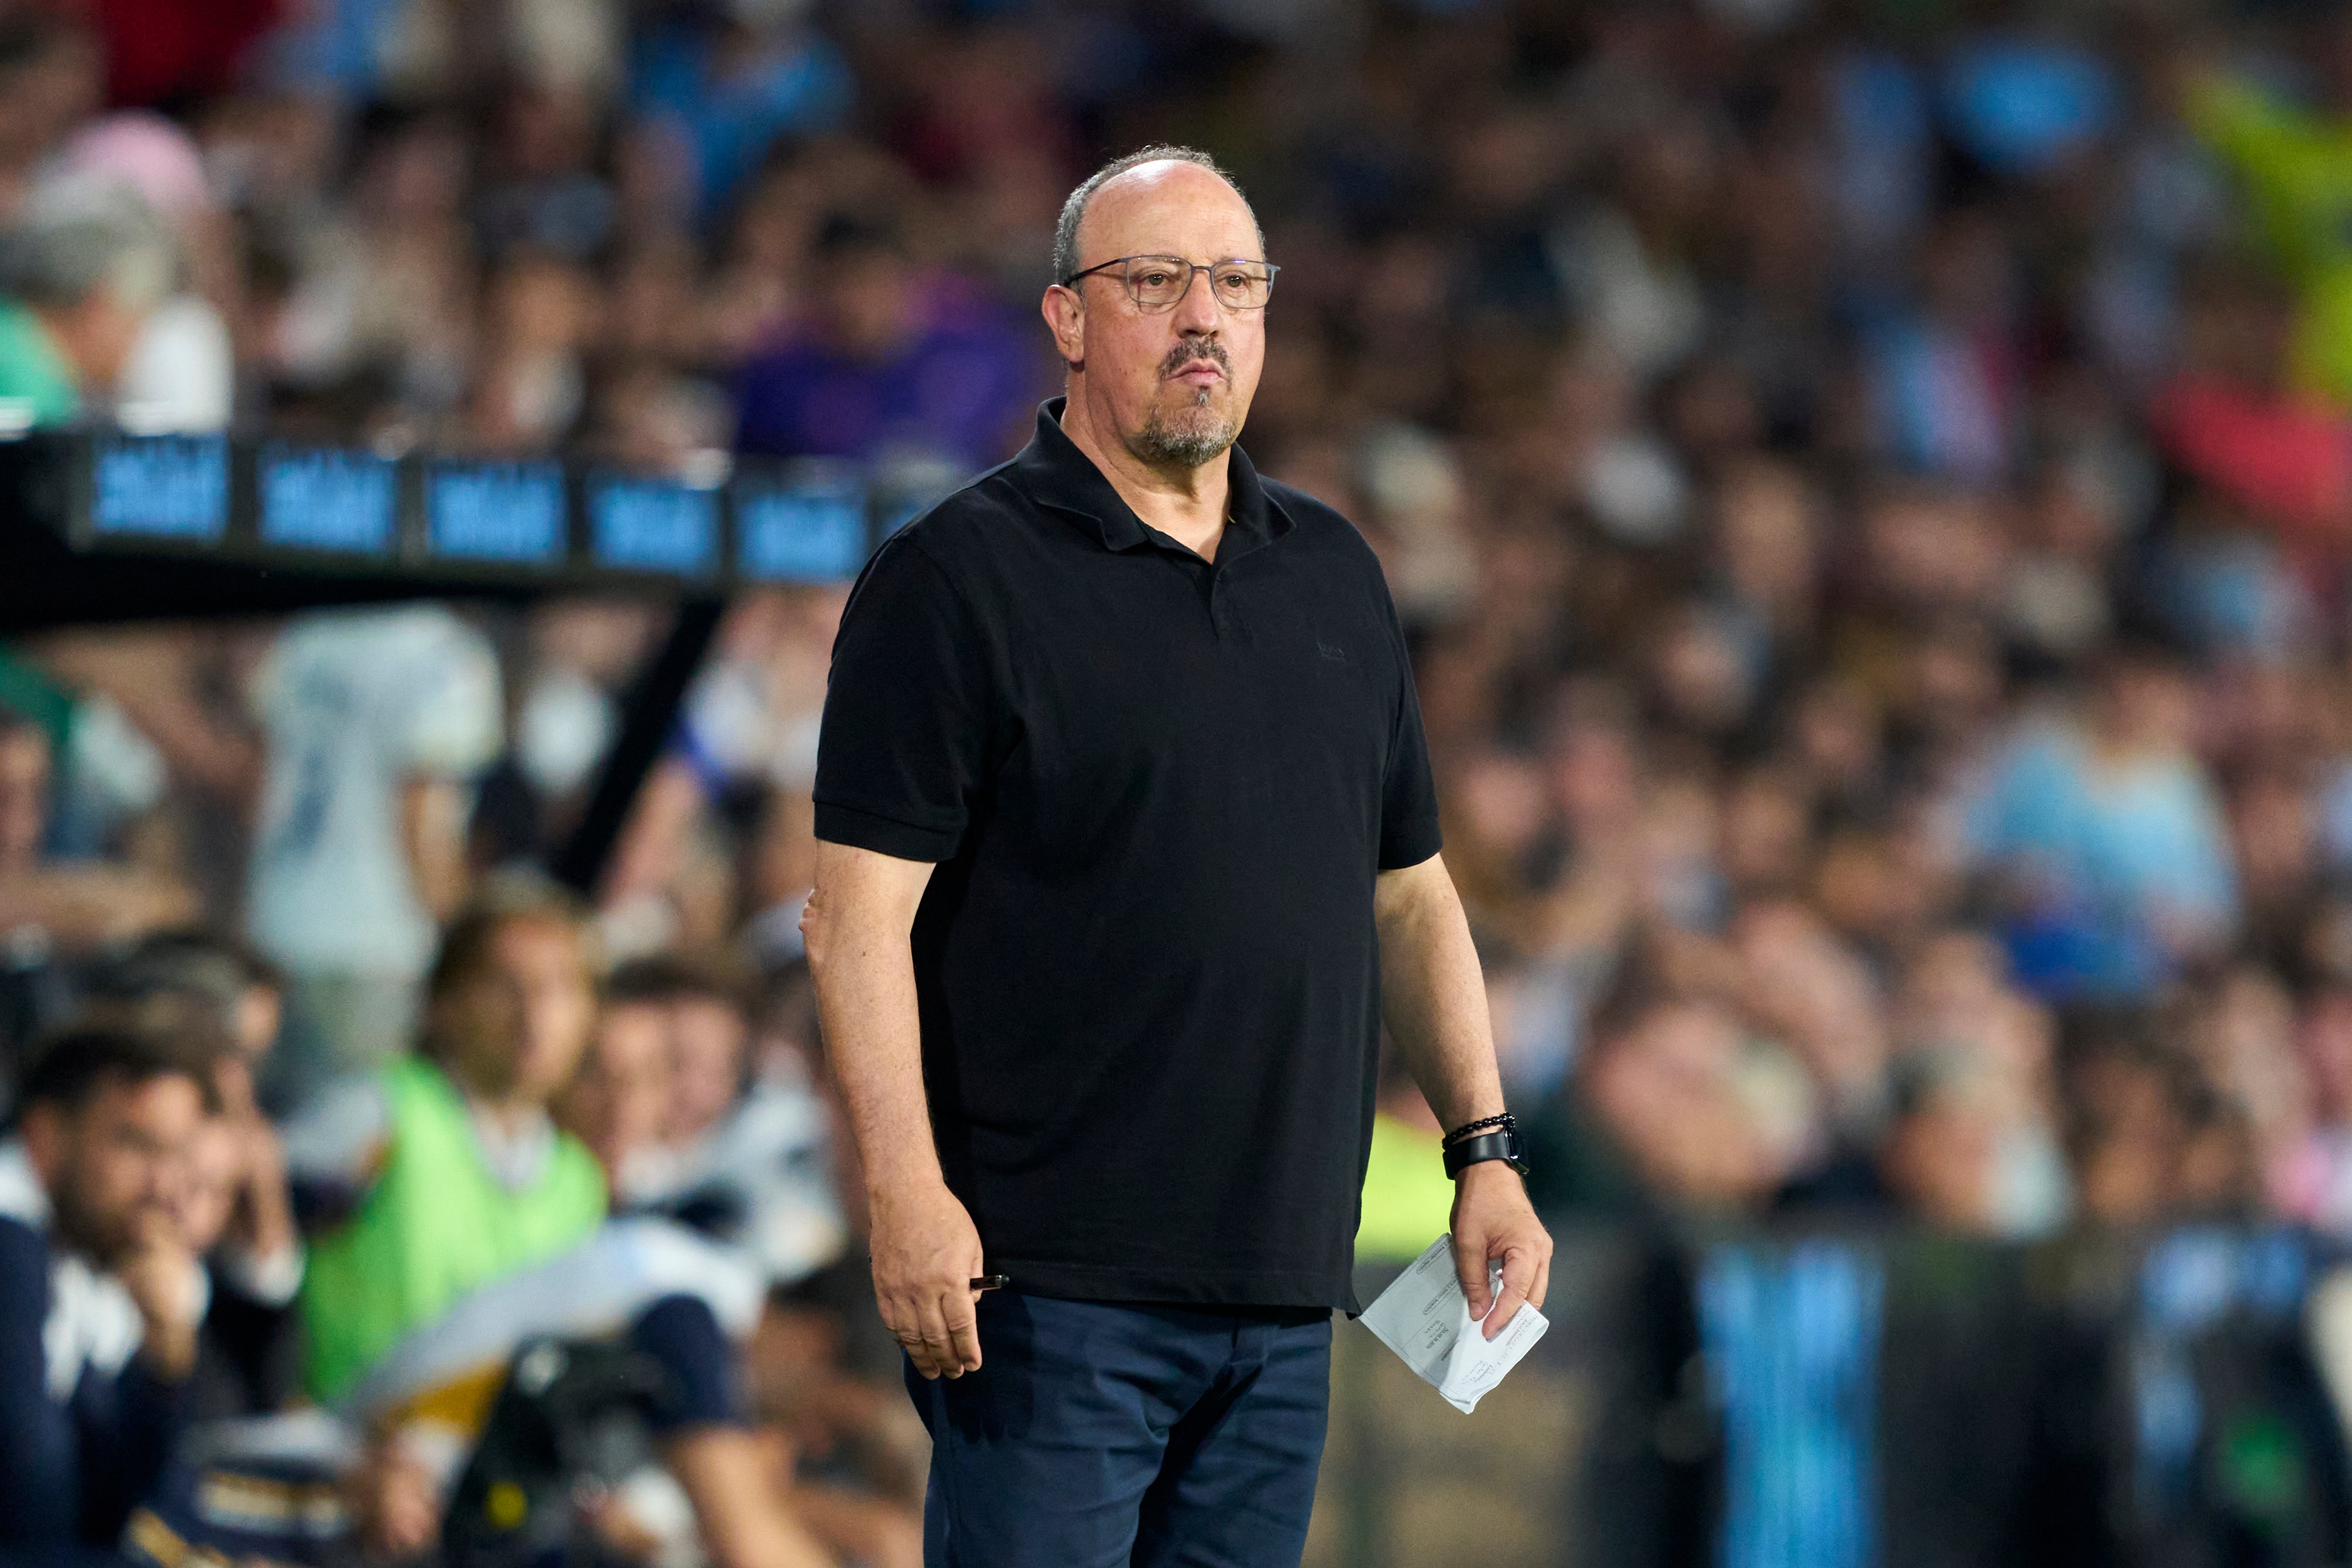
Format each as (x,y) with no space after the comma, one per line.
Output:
(1192,437)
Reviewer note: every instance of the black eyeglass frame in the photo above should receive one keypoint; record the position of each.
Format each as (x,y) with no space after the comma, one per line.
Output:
(1197,267)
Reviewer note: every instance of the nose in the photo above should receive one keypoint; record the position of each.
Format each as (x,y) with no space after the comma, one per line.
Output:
(1197,312)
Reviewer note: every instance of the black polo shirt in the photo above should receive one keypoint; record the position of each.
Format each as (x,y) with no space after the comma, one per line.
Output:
(1158,792)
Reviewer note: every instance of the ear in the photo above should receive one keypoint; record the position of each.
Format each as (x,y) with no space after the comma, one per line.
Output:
(45,1132)
(1066,312)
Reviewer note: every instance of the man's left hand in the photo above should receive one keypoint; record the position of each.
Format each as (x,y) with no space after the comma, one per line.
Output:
(1494,1223)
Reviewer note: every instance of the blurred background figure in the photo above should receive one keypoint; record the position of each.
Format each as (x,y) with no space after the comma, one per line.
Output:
(443,1168)
(84,265)
(102,1289)
(892,366)
(377,724)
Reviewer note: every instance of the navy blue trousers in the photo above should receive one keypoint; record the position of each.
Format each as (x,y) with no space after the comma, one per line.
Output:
(1101,1435)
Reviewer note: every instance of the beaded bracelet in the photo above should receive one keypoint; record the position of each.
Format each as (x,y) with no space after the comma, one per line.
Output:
(1469,1129)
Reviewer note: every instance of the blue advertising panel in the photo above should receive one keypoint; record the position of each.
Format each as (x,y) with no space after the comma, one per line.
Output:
(507,512)
(323,499)
(161,487)
(653,525)
(809,532)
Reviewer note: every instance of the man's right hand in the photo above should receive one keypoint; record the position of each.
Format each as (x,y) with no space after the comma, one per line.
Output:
(927,1253)
(165,1283)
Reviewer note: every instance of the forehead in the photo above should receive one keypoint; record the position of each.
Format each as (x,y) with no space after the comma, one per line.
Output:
(169,1101)
(630,1033)
(1167,210)
(532,944)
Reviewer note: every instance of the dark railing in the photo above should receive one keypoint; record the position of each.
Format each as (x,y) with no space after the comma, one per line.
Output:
(1856,1398)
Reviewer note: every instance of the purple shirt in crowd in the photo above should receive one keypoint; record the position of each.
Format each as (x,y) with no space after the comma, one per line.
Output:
(963,389)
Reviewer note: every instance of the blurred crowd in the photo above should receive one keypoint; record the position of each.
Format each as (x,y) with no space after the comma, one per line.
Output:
(1869,489)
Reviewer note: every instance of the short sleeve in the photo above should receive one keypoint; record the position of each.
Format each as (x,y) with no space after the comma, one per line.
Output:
(1408,830)
(903,750)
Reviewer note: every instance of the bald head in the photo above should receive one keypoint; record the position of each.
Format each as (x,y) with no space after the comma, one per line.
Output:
(1144,169)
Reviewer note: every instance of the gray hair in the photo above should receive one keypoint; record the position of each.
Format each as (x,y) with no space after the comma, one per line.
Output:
(1074,211)
(78,234)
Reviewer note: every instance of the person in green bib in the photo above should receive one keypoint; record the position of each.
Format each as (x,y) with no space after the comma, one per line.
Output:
(446,1169)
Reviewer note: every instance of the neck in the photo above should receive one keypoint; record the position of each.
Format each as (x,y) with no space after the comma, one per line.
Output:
(508,1112)
(1189,505)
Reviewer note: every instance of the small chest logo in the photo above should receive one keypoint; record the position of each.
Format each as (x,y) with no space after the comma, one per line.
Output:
(1332,651)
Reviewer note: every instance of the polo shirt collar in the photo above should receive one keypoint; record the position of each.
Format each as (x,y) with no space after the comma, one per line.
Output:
(1060,477)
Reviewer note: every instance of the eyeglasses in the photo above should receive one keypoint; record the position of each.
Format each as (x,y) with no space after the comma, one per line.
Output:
(1156,282)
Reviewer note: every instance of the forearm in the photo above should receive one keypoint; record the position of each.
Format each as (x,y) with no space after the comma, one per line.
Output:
(88,906)
(864,968)
(1432,995)
(432,822)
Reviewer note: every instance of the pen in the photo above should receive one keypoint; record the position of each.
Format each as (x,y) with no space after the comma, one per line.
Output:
(991,1282)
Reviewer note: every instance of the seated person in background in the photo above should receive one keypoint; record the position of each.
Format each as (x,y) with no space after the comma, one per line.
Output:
(745,1162)
(658,1286)
(100,1295)
(617,1104)
(855,1498)
(445,1171)
(238,1213)
(241,992)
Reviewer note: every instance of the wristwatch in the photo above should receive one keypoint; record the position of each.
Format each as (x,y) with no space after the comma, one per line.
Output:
(1501,1144)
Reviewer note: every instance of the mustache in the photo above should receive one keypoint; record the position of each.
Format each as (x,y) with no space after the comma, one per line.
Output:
(1204,349)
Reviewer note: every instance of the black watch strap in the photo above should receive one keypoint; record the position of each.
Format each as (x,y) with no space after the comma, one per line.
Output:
(1503,1144)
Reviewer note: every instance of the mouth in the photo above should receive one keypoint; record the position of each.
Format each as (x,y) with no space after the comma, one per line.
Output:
(1199,373)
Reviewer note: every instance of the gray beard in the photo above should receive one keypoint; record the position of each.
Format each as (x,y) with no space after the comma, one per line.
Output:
(1165,446)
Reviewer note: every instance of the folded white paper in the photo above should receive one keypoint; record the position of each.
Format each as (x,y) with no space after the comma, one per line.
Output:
(1424,1317)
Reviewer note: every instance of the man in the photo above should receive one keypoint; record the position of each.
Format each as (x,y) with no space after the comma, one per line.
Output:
(100,1296)
(746,1162)
(236,1212)
(447,1164)
(1127,844)
(378,721)
(619,1100)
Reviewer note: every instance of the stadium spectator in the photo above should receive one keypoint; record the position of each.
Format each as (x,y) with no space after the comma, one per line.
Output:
(237,1215)
(444,1168)
(892,368)
(51,76)
(377,722)
(727,84)
(2112,838)
(181,373)
(237,1211)
(83,264)
(99,1292)
(618,1102)
(746,1161)
(2298,177)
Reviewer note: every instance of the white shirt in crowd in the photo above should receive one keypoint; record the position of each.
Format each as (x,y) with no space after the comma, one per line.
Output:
(182,374)
(356,704)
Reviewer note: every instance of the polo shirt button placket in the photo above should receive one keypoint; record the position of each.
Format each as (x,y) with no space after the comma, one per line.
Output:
(1220,607)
